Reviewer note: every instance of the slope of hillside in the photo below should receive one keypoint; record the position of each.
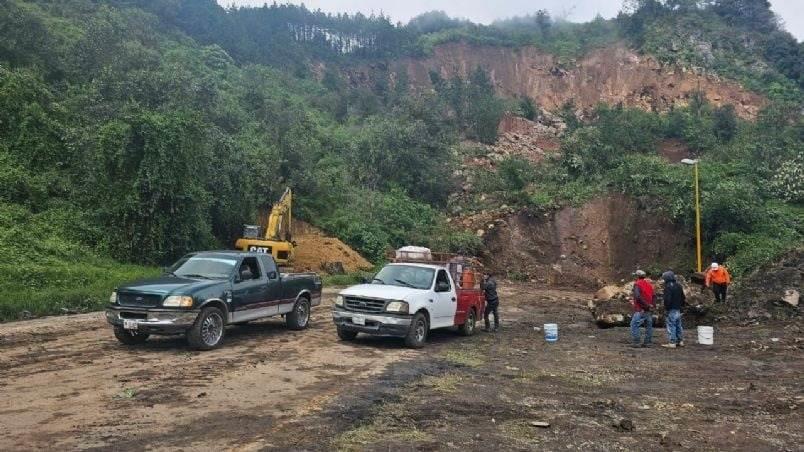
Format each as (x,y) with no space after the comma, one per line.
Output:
(613,75)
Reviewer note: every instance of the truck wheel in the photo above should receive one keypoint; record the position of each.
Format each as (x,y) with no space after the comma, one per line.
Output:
(417,333)
(208,329)
(299,317)
(129,337)
(346,335)
(468,327)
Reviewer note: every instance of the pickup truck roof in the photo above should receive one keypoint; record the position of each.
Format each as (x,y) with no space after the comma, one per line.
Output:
(230,253)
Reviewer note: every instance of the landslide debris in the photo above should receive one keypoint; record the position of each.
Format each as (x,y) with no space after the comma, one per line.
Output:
(770,292)
(315,251)
(611,306)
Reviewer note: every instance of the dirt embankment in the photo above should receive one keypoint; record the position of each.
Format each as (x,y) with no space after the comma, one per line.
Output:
(315,251)
(604,240)
(611,75)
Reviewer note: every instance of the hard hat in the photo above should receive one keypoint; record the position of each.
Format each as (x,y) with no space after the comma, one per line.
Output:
(640,273)
(715,266)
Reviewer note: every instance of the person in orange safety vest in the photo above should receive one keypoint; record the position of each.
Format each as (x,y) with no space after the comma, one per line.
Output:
(718,278)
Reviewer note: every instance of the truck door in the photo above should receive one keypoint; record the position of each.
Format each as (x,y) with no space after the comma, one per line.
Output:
(249,292)
(274,292)
(444,300)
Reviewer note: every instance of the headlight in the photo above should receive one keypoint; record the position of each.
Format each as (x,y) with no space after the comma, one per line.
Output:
(339,300)
(400,307)
(178,301)
(113,298)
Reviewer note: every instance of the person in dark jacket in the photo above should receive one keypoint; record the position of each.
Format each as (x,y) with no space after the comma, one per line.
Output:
(492,301)
(674,300)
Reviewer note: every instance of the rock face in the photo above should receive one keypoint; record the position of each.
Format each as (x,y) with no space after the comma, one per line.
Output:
(611,75)
(604,240)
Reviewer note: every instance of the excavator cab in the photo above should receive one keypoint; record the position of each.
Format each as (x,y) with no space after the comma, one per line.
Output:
(275,238)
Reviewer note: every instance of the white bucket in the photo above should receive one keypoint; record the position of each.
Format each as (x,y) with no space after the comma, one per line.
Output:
(706,335)
(551,332)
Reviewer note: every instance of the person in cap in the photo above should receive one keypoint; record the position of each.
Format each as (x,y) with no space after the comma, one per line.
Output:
(718,278)
(642,303)
(674,300)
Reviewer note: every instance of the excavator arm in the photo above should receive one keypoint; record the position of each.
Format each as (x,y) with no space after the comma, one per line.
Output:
(279,220)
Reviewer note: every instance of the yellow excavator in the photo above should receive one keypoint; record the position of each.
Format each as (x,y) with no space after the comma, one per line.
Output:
(276,239)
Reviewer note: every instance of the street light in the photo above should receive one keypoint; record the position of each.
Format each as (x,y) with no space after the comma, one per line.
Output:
(694,163)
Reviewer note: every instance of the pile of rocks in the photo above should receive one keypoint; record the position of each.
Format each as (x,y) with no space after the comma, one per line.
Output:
(611,305)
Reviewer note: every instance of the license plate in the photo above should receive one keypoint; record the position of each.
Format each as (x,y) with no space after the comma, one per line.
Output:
(359,320)
(129,324)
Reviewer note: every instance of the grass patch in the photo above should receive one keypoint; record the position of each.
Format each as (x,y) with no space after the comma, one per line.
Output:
(521,431)
(443,383)
(469,358)
(378,430)
(580,379)
(36,290)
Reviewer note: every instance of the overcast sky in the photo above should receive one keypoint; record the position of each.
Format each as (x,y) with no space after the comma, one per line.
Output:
(485,11)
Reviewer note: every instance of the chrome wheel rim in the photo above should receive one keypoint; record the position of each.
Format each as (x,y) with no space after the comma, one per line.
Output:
(212,329)
(303,313)
(470,322)
(420,330)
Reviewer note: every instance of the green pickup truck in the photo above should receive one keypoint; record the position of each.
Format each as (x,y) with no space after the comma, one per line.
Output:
(203,292)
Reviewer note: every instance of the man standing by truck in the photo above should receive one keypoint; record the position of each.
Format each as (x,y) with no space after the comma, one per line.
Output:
(492,301)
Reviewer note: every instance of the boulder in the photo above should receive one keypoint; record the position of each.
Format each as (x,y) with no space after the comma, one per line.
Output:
(607,293)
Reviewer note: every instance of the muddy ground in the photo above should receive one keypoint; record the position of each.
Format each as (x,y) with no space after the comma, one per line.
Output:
(67,384)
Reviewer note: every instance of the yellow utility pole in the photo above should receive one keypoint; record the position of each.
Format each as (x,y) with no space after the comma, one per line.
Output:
(694,164)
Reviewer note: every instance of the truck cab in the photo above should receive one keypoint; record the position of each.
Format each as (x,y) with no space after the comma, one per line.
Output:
(410,297)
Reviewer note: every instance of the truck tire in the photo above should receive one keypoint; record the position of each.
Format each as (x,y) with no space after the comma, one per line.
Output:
(208,330)
(346,335)
(417,333)
(129,337)
(468,327)
(299,317)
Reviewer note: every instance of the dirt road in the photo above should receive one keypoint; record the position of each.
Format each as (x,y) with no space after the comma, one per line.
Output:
(66,383)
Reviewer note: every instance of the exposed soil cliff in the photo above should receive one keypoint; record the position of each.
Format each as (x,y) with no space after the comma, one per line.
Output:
(604,240)
(610,75)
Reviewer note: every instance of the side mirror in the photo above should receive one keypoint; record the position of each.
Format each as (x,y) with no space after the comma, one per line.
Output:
(442,286)
(273,275)
(365,280)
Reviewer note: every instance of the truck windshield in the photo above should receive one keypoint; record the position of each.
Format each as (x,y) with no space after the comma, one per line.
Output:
(203,267)
(405,276)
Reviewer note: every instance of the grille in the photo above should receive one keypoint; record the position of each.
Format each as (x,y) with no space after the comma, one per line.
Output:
(138,299)
(364,305)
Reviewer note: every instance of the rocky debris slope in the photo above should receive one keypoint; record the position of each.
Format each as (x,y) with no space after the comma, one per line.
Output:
(770,292)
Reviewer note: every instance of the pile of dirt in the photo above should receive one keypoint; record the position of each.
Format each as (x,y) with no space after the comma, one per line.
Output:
(611,305)
(317,252)
(770,292)
(602,241)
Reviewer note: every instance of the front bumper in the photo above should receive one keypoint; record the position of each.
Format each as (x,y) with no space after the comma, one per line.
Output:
(154,320)
(376,324)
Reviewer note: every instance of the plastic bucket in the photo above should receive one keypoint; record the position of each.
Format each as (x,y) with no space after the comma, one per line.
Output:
(706,335)
(551,332)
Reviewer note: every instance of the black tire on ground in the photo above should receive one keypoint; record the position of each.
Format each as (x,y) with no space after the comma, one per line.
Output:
(208,330)
(299,317)
(417,333)
(468,327)
(129,337)
(346,335)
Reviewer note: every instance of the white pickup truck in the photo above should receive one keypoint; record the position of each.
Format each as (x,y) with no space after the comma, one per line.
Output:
(408,299)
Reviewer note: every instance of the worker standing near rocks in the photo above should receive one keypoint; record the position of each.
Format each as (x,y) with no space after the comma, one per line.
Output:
(492,301)
(674,300)
(718,278)
(642,302)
